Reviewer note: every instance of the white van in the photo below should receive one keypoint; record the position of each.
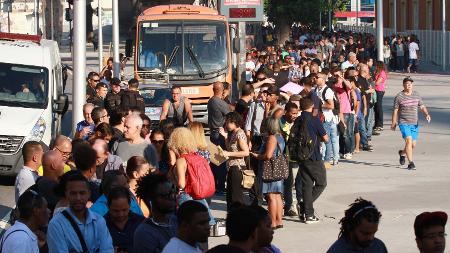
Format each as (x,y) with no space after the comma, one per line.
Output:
(31,96)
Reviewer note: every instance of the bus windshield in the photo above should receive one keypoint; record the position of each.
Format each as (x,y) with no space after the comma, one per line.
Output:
(23,86)
(182,47)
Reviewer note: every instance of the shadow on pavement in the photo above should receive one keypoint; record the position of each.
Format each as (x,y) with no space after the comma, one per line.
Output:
(387,165)
(7,181)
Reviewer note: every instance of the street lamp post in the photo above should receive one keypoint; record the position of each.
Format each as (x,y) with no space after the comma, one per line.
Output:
(79,61)
(380,29)
(444,37)
(115,25)
(100,37)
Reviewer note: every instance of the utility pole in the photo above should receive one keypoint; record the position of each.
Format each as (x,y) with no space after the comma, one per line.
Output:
(115,25)
(330,24)
(79,61)
(395,17)
(242,52)
(36,16)
(52,31)
(444,37)
(380,38)
(100,37)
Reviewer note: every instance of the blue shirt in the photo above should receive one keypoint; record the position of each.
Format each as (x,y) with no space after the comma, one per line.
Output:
(61,236)
(83,124)
(151,237)
(101,206)
(315,130)
(342,245)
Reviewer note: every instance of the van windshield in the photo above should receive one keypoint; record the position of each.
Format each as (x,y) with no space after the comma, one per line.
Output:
(23,86)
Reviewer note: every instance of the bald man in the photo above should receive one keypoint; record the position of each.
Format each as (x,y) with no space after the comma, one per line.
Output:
(105,160)
(217,109)
(135,145)
(62,145)
(53,165)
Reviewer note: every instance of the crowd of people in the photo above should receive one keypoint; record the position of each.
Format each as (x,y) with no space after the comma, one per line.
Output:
(121,185)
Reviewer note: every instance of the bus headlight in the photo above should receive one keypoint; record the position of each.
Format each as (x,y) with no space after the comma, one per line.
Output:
(38,130)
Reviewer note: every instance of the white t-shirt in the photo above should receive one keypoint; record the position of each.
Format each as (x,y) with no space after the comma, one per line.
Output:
(176,245)
(248,73)
(413,48)
(329,94)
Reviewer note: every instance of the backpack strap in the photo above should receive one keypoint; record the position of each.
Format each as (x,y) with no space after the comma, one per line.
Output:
(6,237)
(77,230)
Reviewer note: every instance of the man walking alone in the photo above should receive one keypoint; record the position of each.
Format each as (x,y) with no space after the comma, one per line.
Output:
(405,113)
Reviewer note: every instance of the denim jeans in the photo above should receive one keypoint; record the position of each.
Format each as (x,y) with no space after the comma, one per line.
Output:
(370,122)
(400,63)
(183,197)
(220,172)
(362,132)
(349,134)
(332,146)
(288,184)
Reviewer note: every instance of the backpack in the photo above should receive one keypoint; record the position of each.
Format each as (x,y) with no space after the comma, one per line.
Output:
(200,182)
(337,105)
(301,144)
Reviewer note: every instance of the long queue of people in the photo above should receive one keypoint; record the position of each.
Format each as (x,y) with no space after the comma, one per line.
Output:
(121,186)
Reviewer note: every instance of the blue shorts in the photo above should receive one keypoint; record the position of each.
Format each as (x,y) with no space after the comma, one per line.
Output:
(409,130)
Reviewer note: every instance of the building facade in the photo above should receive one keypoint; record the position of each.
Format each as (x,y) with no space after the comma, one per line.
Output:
(414,14)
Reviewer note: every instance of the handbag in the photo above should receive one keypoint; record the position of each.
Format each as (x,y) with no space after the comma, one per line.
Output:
(276,168)
(248,178)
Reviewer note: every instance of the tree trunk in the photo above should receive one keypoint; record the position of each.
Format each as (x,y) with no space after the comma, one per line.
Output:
(283,27)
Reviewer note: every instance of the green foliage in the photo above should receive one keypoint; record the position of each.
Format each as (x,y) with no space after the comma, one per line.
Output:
(304,11)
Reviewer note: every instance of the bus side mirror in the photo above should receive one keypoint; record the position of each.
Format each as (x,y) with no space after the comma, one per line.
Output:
(236,46)
(62,104)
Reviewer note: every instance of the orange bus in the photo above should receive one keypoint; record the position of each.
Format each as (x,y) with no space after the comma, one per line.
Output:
(181,45)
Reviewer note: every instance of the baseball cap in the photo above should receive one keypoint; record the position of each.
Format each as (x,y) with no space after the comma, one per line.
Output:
(273,90)
(426,219)
(406,79)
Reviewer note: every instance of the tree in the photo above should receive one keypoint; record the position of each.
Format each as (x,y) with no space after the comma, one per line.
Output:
(285,12)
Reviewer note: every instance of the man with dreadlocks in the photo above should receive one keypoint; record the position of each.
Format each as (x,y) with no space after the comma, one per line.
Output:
(358,228)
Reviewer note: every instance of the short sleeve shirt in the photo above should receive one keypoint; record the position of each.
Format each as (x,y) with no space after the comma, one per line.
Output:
(408,107)
(176,245)
(329,94)
(19,239)
(233,146)
(413,48)
(315,130)
(344,97)
(217,109)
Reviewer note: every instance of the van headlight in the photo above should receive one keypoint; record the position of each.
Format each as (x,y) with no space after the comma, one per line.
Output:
(38,130)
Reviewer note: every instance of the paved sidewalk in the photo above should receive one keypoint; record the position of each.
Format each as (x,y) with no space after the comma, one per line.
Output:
(398,193)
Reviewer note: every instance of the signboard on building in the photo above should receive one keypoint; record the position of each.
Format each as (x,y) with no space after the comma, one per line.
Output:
(242,10)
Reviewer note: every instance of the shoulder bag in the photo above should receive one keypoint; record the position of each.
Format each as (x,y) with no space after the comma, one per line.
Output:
(77,230)
(276,168)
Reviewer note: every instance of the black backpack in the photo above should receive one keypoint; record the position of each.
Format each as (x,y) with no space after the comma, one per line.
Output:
(301,144)
(337,105)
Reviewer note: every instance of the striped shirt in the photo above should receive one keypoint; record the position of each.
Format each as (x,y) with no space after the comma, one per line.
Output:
(408,107)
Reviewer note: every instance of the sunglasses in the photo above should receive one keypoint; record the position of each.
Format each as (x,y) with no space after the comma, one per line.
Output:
(158,141)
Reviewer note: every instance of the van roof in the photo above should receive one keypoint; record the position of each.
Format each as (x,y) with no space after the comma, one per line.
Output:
(26,52)
(175,9)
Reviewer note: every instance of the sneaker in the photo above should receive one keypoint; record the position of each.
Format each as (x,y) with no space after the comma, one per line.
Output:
(327,165)
(411,166)
(368,148)
(402,157)
(375,133)
(311,220)
(290,213)
(348,156)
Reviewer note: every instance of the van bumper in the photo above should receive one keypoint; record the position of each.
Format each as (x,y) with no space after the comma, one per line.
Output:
(10,164)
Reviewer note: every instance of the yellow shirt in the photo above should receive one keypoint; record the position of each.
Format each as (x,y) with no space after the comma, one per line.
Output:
(41,170)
